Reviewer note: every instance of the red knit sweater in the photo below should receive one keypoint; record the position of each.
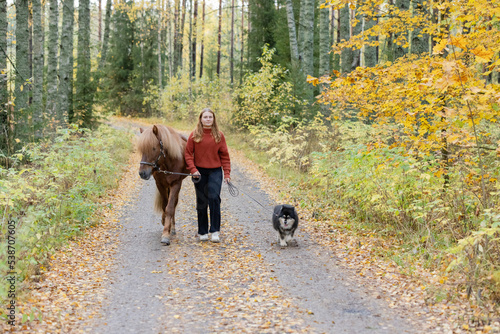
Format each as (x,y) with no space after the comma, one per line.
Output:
(207,153)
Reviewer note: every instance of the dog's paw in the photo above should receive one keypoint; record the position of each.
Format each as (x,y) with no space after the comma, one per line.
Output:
(283,243)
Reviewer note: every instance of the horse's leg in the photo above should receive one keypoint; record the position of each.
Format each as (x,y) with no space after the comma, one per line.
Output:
(175,198)
(169,214)
(165,196)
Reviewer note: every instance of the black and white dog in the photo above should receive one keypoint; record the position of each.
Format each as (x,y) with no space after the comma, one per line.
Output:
(285,221)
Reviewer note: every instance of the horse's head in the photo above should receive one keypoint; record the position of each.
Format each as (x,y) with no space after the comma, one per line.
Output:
(150,148)
(161,147)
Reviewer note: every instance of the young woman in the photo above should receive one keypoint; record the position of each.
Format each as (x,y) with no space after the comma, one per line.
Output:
(207,156)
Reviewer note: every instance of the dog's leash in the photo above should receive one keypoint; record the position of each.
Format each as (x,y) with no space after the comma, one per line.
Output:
(235,193)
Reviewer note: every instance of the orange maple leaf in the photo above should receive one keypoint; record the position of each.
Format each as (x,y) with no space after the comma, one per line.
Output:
(482,55)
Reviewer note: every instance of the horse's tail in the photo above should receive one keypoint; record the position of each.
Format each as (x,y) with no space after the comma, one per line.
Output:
(158,202)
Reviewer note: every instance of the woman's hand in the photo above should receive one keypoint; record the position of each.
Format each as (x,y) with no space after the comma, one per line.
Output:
(227,180)
(196,175)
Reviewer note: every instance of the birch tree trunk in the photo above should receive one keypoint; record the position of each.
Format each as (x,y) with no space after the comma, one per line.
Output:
(66,62)
(193,42)
(105,39)
(176,43)
(22,59)
(292,34)
(160,16)
(336,37)
(99,25)
(52,82)
(3,78)
(169,47)
(324,41)
(219,38)
(38,59)
(181,33)
(306,36)
(242,39)
(84,91)
(3,63)
(231,67)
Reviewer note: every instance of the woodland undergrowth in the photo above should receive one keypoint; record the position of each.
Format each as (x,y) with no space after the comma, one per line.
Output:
(52,194)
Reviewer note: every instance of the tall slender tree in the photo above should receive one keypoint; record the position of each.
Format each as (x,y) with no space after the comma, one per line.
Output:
(262,19)
(38,60)
(219,38)
(242,39)
(292,34)
(231,56)
(160,20)
(306,35)
(105,39)
(99,20)
(181,32)
(324,41)
(193,41)
(22,60)
(65,109)
(169,34)
(117,81)
(177,37)
(84,91)
(202,45)
(3,77)
(52,75)
(347,56)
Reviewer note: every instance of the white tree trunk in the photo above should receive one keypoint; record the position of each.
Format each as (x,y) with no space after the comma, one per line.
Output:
(52,75)
(306,36)
(292,34)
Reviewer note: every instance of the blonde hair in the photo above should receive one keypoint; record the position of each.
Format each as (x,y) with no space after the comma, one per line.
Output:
(198,130)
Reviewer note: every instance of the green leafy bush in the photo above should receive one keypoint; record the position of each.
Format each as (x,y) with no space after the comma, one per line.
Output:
(292,142)
(437,205)
(53,196)
(265,97)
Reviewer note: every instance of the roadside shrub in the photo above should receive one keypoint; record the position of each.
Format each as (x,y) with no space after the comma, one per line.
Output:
(52,197)
(433,204)
(265,97)
(291,143)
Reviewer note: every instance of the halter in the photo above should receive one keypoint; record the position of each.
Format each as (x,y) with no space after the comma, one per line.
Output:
(155,164)
(157,168)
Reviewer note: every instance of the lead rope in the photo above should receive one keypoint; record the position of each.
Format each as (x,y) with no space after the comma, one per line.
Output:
(235,193)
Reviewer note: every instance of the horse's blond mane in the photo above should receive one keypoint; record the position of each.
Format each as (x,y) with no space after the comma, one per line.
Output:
(173,145)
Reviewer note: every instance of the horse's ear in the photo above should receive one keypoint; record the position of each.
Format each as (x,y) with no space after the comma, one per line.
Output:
(141,130)
(155,130)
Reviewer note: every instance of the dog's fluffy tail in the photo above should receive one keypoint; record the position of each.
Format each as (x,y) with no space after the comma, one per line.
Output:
(158,202)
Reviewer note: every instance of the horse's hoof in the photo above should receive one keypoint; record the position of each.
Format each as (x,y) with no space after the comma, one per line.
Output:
(165,241)
(173,232)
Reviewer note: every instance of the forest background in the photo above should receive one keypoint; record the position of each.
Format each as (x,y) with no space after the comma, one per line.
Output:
(386,109)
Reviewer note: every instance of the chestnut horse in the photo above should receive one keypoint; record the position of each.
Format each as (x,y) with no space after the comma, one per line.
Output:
(162,150)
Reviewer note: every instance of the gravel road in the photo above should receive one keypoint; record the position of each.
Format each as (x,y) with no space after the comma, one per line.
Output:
(246,283)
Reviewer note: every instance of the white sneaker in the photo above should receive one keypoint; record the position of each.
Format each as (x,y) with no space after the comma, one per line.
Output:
(215,237)
(203,237)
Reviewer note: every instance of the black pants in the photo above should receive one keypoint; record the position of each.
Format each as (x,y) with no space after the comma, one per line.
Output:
(208,196)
